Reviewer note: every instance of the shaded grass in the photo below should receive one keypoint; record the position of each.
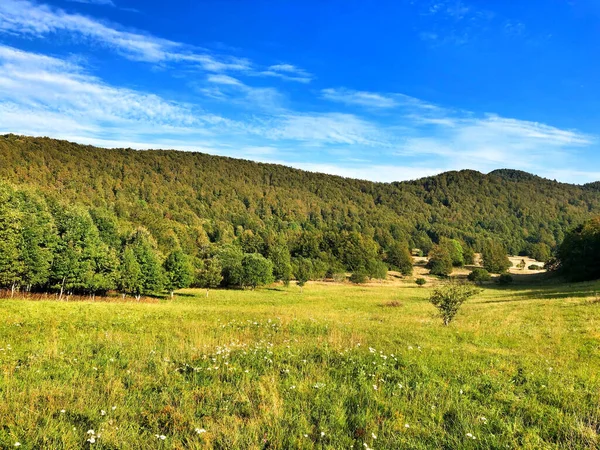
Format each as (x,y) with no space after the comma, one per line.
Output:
(329,368)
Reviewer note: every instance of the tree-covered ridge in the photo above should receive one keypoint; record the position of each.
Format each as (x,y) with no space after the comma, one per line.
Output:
(197,200)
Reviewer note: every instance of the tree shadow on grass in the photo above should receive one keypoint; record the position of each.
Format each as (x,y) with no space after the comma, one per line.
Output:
(544,287)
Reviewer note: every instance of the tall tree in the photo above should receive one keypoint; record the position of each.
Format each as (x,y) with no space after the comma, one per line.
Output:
(440,261)
(178,271)
(279,255)
(256,270)
(399,257)
(11,240)
(152,275)
(495,258)
(303,269)
(130,279)
(230,258)
(208,275)
(579,254)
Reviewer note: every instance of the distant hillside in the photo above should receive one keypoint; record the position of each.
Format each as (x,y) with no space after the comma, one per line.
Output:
(179,195)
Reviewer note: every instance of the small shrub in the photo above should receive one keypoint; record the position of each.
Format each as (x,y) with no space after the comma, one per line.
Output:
(535,267)
(449,297)
(479,275)
(421,281)
(505,279)
(358,277)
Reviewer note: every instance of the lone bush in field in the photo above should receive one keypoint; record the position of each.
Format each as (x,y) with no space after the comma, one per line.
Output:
(421,281)
(535,267)
(479,275)
(449,297)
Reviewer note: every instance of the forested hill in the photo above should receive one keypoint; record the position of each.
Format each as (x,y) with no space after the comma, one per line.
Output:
(186,198)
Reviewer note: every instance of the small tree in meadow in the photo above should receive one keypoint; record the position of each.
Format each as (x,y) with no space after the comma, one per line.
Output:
(449,297)
(421,282)
(302,271)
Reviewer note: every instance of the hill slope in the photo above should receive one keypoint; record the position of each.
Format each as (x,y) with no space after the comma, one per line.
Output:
(182,194)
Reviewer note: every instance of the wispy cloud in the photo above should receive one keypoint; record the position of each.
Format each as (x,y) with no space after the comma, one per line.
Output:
(96,2)
(66,98)
(488,142)
(26,18)
(233,90)
(374,99)
(327,128)
(361,98)
(288,72)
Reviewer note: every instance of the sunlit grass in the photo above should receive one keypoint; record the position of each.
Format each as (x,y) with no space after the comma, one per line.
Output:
(333,367)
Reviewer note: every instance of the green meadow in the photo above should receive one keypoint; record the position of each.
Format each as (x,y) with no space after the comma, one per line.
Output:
(336,366)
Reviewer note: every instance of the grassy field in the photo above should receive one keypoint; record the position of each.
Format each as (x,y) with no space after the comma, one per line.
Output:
(337,366)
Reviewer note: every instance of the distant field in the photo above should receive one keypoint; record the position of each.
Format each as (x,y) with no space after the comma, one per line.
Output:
(334,367)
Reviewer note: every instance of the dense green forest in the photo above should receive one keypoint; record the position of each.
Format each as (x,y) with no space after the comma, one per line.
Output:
(87,219)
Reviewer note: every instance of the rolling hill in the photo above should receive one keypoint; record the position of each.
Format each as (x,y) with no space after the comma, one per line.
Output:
(188,197)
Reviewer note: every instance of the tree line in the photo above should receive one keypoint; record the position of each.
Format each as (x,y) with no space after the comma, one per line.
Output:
(140,207)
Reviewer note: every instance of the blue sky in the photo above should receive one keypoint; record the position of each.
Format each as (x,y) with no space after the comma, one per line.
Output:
(387,90)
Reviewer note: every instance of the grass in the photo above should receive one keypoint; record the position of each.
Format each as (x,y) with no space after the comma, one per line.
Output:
(333,367)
